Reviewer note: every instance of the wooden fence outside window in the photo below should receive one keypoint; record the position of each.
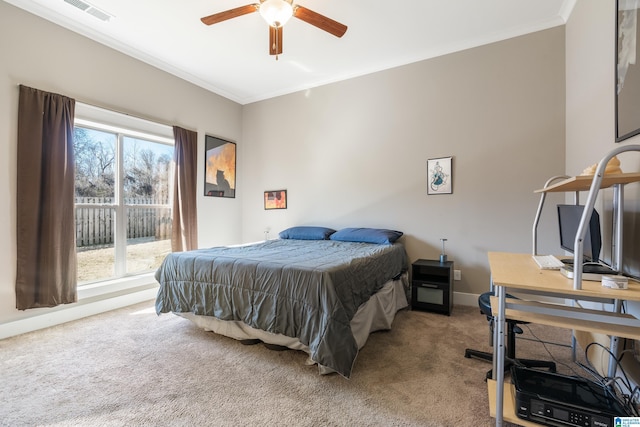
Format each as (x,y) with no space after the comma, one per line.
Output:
(147,219)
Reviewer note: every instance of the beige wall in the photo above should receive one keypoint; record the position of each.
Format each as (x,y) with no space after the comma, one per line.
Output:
(590,83)
(39,54)
(354,153)
(591,41)
(350,154)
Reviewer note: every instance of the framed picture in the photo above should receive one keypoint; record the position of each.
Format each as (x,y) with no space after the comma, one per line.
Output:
(439,176)
(220,167)
(627,70)
(276,199)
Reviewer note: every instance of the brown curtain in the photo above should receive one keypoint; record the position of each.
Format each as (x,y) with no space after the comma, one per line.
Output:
(46,240)
(184,233)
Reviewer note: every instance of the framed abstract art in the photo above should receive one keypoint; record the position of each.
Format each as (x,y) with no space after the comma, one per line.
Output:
(220,167)
(439,176)
(275,199)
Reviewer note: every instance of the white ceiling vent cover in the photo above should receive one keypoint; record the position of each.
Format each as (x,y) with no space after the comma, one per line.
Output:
(90,9)
(79,4)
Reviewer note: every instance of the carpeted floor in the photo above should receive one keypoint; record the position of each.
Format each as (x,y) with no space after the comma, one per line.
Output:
(130,367)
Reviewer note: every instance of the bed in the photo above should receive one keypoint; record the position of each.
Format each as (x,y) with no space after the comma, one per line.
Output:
(322,295)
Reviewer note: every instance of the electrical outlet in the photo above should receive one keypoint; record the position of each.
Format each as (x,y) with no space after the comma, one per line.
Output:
(457,275)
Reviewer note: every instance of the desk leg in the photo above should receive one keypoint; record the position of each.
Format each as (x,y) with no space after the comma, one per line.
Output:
(613,344)
(574,341)
(499,352)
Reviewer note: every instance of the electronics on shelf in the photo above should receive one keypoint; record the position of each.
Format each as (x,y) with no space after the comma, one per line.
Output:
(569,217)
(590,271)
(559,400)
(548,262)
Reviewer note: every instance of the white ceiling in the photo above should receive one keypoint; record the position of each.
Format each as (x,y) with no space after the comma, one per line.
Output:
(231,58)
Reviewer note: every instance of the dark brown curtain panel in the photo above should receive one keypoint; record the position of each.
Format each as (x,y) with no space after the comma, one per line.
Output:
(46,242)
(184,233)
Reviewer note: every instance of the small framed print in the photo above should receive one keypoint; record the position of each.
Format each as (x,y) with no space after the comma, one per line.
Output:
(439,176)
(276,199)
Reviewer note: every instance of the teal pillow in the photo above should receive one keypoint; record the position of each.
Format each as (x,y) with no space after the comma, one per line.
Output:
(367,235)
(307,233)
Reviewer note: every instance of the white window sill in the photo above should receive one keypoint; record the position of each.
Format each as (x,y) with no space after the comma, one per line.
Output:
(117,286)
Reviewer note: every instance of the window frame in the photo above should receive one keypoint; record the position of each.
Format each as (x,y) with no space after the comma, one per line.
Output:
(123,126)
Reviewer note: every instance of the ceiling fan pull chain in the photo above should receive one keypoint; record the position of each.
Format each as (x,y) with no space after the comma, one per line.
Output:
(276,43)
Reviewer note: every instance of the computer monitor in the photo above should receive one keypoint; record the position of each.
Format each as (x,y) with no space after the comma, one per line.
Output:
(568,221)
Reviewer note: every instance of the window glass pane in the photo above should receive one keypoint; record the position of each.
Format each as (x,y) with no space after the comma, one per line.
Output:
(147,174)
(95,155)
(95,227)
(147,170)
(95,162)
(148,238)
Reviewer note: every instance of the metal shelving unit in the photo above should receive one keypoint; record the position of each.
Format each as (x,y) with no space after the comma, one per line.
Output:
(593,184)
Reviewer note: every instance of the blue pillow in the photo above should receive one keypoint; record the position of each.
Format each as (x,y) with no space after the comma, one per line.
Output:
(367,235)
(307,233)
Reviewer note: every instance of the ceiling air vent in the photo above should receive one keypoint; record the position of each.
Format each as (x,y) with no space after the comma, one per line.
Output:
(90,9)
(98,14)
(79,4)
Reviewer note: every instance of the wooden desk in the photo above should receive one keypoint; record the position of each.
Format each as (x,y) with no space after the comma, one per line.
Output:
(518,272)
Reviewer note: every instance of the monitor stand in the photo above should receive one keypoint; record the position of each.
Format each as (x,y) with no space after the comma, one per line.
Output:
(590,271)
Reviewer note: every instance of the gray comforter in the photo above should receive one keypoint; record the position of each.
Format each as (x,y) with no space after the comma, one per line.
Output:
(304,289)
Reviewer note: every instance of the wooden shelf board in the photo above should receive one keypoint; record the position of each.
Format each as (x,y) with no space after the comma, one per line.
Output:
(609,326)
(583,182)
(508,407)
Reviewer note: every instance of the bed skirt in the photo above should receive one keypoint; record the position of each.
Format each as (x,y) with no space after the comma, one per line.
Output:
(374,315)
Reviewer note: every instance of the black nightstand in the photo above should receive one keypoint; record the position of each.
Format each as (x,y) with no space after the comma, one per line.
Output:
(432,286)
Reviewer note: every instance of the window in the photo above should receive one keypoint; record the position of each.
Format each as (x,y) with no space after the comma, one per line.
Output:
(124,174)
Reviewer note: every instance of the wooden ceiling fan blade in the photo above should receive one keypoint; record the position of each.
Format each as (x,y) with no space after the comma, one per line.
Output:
(275,40)
(320,21)
(231,13)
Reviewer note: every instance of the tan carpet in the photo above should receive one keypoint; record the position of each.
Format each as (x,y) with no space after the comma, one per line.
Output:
(132,368)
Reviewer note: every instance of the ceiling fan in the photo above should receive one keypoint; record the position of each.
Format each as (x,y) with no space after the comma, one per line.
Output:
(277,13)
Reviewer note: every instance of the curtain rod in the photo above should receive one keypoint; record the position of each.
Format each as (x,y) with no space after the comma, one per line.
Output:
(114,110)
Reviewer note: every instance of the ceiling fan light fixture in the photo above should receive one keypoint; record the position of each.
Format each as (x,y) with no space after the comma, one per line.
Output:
(276,12)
